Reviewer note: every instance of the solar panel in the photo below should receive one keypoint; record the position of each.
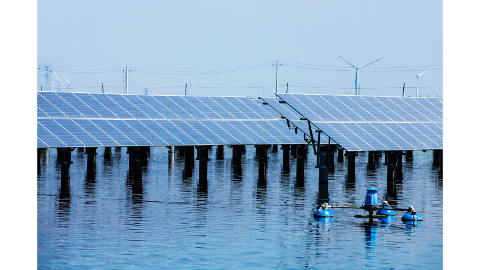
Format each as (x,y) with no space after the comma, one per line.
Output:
(96,132)
(98,107)
(41,144)
(373,123)
(96,120)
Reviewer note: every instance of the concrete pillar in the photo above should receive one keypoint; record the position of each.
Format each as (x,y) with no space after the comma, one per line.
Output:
(171,155)
(189,154)
(294,150)
(181,151)
(371,160)
(274,148)
(286,158)
(91,153)
(331,160)
(134,160)
(65,159)
(409,155)
(351,165)
(300,160)
(340,154)
(322,193)
(203,159)
(237,159)
(107,153)
(391,165)
(262,161)
(220,152)
(399,165)
(436,157)
(322,164)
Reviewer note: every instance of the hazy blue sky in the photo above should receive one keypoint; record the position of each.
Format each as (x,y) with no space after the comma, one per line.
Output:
(228,48)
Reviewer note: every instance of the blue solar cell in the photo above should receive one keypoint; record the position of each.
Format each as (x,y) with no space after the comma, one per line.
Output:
(96,132)
(283,108)
(79,105)
(61,104)
(262,112)
(95,105)
(370,129)
(274,133)
(112,106)
(41,113)
(41,144)
(78,132)
(429,106)
(144,107)
(365,136)
(300,107)
(249,129)
(352,103)
(172,106)
(127,106)
(389,113)
(409,109)
(60,132)
(161,132)
(48,108)
(129,132)
(429,133)
(401,142)
(204,109)
(176,132)
(435,102)
(112,132)
(206,132)
(381,115)
(46,136)
(435,129)
(396,109)
(215,107)
(233,131)
(229,107)
(145,132)
(243,108)
(159,107)
(185,105)
(349,113)
(344,128)
(192,133)
(329,108)
(440,125)
(421,109)
(339,137)
(229,139)
(417,144)
(315,108)
(419,135)
(273,114)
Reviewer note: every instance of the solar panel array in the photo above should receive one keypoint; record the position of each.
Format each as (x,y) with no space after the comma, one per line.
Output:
(292,115)
(361,123)
(96,120)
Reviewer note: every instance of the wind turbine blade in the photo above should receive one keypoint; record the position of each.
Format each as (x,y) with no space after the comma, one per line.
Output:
(426,70)
(370,63)
(66,78)
(346,61)
(411,70)
(58,79)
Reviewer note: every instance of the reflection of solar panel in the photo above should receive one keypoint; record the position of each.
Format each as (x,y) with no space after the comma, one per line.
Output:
(95,120)
(360,123)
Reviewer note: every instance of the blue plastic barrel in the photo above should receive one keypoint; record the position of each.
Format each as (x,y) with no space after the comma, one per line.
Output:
(323,213)
(386,211)
(409,217)
(371,198)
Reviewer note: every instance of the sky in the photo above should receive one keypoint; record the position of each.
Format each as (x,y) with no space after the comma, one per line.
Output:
(231,48)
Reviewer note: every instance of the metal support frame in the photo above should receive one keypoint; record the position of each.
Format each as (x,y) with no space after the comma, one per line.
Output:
(312,138)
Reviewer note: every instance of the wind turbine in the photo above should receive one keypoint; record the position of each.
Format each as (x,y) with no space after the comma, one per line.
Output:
(356,70)
(68,83)
(58,79)
(418,75)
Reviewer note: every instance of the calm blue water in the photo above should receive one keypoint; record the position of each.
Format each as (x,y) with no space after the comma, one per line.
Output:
(231,222)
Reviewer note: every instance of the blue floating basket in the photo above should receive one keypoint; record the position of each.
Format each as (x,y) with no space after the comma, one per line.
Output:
(409,217)
(386,211)
(323,213)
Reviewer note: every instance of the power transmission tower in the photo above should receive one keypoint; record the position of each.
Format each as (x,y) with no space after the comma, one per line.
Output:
(276,77)
(48,77)
(126,79)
